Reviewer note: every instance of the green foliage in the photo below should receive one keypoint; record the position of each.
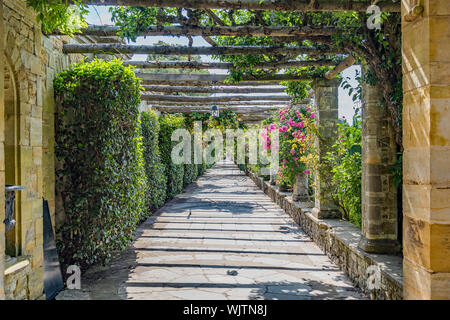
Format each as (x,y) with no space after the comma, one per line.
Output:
(57,14)
(100,176)
(174,173)
(346,170)
(154,168)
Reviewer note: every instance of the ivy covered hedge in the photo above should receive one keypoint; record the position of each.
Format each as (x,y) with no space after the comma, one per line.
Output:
(114,163)
(100,174)
(154,168)
(174,173)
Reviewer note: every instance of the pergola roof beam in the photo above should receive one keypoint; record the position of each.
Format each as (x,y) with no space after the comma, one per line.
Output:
(223,65)
(218,99)
(289,5)
(115,48)
(219,78)
(211,103)
(190,30)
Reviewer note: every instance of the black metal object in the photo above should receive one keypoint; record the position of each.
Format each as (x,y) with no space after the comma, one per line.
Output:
(53,281)
(10,195)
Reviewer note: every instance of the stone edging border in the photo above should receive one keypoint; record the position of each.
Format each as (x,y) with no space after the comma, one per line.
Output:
(339,240)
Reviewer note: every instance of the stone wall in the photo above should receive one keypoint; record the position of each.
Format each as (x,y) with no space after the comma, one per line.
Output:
(34,60)
(379,276)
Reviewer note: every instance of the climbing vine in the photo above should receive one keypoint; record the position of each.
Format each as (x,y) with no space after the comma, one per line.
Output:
(58,14)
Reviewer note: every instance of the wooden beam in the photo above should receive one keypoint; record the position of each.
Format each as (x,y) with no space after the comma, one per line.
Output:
(172,89)
(190,30)
(218,99)
(197,65)
(145,97)
(219,78)
(347,63)
(290,6)
(114,48)
(237,109)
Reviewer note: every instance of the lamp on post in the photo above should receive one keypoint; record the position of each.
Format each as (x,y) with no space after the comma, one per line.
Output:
(215,111)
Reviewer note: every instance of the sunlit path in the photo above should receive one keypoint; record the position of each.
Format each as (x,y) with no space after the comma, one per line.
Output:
(221,239)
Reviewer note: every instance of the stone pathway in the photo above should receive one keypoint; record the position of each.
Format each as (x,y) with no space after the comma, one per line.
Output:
(221,239)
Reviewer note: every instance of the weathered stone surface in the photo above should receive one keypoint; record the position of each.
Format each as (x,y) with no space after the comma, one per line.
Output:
(326,101)
(339,240)
(216,242)
(379,193)
(426,181)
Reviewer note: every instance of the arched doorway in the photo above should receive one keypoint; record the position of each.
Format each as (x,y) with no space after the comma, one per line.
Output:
(11,150)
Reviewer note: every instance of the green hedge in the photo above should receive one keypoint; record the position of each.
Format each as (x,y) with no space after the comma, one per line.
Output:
(100,174)
(174,173)
(154,168)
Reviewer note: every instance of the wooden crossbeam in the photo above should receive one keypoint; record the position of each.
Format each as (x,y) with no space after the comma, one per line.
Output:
(114,48)
(218,78)
(190,30)
(347,63)
(218,99)
(223,65)
(290,5)
(145,97)
(172,89)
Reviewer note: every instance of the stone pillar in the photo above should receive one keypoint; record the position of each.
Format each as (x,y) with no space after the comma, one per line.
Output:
(379,193)
(2,156)
(300,188)
(326,101)
(426,159)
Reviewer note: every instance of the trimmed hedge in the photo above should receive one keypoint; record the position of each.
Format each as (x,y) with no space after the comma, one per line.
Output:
(154,168)
(100,175)
(175,173)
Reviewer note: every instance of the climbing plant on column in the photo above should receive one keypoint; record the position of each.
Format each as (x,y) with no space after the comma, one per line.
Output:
(100,175)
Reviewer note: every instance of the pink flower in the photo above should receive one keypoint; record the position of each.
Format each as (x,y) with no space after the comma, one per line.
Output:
(284,128)
(295,159)
(282,118)
(307,172)
(312,115)
(292,151)
(308,109)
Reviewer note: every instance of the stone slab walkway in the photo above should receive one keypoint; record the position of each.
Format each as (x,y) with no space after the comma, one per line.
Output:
(221,239)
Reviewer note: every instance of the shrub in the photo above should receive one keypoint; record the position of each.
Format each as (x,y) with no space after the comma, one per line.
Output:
(346,170)
(174,173)
(100,174)
(154,168)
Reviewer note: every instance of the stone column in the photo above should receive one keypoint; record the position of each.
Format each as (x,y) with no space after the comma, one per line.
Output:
(300,188)
(2,155)
(326,101)
(426,159)
(379,193)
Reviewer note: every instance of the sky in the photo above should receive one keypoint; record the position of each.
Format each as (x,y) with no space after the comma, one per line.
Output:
(100,15)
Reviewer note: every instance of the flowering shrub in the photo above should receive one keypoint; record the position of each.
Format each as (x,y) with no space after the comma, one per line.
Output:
(296,127)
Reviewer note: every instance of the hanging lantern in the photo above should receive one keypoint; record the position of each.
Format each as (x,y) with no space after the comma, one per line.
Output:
(215,111)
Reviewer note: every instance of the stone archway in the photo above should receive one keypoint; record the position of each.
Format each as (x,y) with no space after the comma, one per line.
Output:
(11,151)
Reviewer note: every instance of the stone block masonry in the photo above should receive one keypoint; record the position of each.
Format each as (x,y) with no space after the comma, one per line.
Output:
(426,134)
(29,61)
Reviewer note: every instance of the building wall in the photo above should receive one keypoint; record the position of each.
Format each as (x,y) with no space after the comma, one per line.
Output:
(34,61)
(2,167)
